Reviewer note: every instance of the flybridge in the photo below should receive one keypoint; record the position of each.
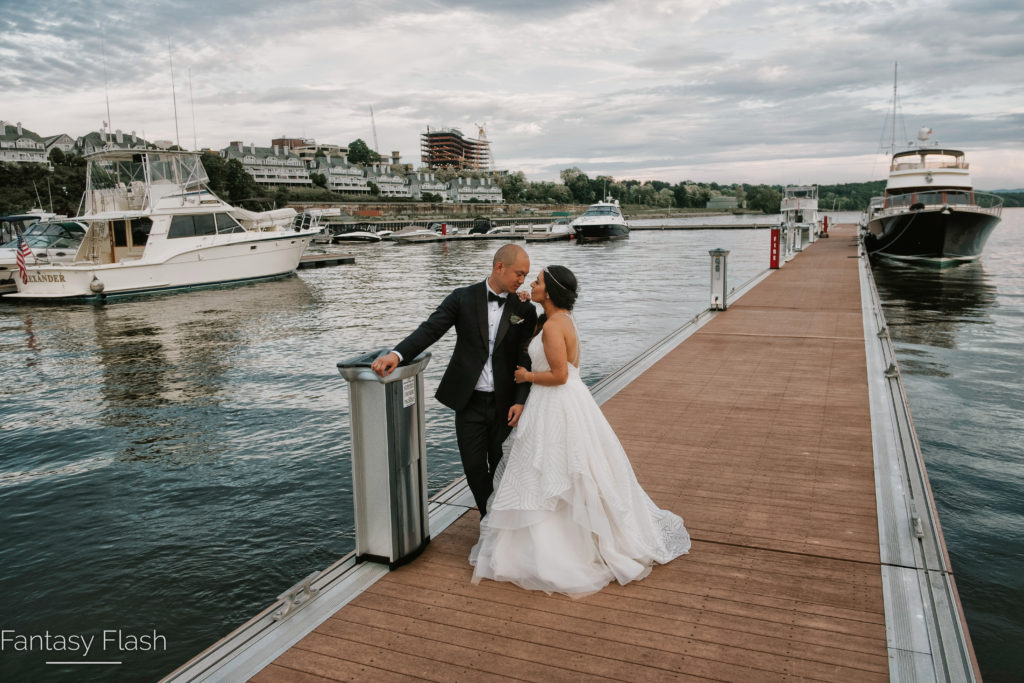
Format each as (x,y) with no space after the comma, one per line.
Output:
(132,180)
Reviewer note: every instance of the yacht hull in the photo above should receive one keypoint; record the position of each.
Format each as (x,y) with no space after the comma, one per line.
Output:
(213,266)
(940,236)
(598,233)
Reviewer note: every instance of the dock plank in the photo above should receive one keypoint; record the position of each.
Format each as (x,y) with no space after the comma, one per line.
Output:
(757,431)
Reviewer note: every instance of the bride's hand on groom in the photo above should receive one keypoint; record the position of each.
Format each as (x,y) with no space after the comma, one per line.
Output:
(521,374)
(523,295)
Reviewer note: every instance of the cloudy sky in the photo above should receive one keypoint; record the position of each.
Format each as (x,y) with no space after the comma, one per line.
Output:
(708,90)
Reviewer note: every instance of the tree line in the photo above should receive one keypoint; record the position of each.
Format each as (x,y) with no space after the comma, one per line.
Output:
(61,186)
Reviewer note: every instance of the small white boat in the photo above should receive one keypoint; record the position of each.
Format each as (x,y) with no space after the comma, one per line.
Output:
(351,233)
(414,234)
(49,241)
(155,226)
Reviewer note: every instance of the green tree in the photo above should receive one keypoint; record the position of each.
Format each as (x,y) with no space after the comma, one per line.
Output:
(680,195)
(360,153)
(237,181)
(374,188)
(319,179)
(216,171)
(281,196)
(513,186)
(57,157)
(764,198)
(578,184)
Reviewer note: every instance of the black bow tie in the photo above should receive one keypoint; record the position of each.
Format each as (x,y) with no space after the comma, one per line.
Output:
(491,296)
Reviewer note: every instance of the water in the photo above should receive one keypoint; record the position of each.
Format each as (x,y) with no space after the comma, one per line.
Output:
(958,341)
(172,464)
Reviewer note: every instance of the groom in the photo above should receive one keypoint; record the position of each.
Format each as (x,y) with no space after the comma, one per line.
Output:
(493,328)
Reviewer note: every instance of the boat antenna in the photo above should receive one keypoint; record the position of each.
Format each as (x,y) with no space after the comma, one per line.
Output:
(373,125)
(38,200)
(892,140)
(192,102)
(106,88)
(49,191)
(174,97)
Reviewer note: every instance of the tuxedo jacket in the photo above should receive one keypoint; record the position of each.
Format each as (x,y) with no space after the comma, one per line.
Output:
(466,310)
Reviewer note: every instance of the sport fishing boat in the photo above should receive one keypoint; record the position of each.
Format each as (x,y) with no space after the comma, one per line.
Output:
(930,212)
(601,221)
(155,226)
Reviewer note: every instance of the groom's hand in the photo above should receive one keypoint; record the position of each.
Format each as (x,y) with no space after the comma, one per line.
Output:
(384,365)
(513,414)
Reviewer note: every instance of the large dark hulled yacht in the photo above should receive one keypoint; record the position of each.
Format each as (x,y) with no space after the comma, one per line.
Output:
(930,212)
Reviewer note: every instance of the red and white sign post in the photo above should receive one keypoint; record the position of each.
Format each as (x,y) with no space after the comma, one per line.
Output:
(774,260)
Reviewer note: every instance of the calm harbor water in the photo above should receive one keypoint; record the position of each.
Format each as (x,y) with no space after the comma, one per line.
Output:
(172,464)
(958,339)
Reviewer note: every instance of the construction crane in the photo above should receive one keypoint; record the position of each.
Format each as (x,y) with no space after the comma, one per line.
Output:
(373,126)
(482,159)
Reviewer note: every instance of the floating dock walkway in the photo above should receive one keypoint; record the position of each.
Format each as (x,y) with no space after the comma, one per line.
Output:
(778,429)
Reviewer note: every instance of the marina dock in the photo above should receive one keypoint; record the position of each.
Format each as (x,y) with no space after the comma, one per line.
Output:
(775,430)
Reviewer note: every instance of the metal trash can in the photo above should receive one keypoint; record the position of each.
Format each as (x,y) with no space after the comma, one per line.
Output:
(389,459)
(719,282)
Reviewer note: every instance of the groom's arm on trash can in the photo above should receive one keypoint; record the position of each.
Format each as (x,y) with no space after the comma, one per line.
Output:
(429,331)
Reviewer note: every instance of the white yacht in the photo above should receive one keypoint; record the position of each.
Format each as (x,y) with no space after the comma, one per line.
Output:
(799,209)
(601,221)
(154,226)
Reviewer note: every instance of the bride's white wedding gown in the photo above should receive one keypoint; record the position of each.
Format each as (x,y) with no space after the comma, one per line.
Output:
(567,514)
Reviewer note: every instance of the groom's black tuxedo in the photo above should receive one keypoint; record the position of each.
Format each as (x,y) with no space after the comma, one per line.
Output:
(481,420)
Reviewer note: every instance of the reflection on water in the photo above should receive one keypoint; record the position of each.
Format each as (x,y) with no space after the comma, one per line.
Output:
(927,307)
(958,336)
(175,462)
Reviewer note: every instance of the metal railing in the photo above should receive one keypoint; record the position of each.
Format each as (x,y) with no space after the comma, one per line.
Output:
(965,199)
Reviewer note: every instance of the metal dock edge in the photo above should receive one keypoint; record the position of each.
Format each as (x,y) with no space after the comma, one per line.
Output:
(925,627)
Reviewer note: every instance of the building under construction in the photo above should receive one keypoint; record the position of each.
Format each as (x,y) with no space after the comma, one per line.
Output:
(449,148)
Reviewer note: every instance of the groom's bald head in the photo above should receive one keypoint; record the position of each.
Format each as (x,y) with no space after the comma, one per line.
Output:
(509,270)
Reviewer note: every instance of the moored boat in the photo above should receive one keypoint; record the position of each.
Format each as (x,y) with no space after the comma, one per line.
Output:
(559,229)
(601,221)
(155,226)
(930,212)
(49,242)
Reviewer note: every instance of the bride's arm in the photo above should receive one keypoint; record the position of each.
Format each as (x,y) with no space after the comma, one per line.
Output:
(556,343)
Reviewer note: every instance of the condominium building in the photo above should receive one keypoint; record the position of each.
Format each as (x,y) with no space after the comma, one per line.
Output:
(274,165)
(21,144)
(99,140)
(481,189)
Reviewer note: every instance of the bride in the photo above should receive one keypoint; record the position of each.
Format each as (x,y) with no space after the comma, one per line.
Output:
(567,514)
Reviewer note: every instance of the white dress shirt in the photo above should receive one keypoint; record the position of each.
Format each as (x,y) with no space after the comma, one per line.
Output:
(486,379)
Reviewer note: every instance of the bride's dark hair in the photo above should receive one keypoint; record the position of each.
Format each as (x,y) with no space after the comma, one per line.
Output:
(561,287)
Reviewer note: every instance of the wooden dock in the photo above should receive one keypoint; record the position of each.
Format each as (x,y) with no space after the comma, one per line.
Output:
(324,260)
(757,431)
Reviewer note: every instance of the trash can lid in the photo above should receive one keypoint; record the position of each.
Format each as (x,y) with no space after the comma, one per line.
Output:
(358,367)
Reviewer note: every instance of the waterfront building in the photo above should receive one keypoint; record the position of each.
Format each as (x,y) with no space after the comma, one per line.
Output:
(483,190)
(426,181)
(21,144)
(390,183)
(341,175)
(99,140)
(274,165)
(63,142)
(722,203)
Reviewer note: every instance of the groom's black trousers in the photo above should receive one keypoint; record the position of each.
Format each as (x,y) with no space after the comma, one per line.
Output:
(480,431)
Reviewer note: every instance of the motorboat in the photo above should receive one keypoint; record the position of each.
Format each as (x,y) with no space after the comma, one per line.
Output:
(930,212)
(559,229)
(49,242)
(601,221)
(12,226)
(353,232)
(800,218)
(153,225)
(414,234)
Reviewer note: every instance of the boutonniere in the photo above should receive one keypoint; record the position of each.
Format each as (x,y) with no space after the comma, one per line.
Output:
(515,320)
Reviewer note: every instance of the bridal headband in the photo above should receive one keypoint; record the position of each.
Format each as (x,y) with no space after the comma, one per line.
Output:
(548,273)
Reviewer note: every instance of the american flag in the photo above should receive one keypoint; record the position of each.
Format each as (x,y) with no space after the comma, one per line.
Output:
(23,253)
